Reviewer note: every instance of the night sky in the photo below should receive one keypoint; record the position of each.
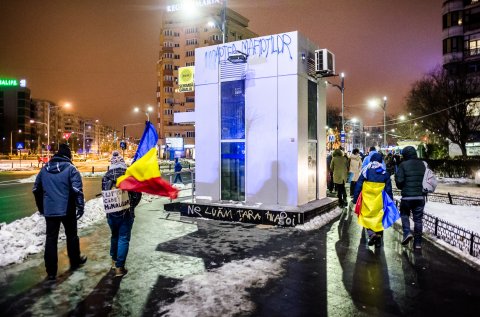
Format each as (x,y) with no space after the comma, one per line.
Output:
(101,55)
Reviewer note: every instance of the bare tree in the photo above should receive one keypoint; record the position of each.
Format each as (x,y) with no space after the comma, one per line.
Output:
(448,105)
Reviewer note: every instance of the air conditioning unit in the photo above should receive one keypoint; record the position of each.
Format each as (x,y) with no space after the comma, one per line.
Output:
(324,62)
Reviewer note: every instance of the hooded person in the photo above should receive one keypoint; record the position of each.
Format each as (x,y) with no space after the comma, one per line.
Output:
(409,179)
(119,206)
(355,169)
(368,158)
(58,192)
(373,184)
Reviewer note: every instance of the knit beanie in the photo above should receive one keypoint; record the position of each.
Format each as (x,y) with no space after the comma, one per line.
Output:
(64,150)
(116,159)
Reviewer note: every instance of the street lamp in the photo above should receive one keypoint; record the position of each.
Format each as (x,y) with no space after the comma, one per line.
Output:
(66,105)
(11,141)
(374,103)
(341,87)
(147,112)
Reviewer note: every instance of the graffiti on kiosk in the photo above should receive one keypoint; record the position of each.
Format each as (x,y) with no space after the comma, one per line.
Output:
(244,215)
(260,47)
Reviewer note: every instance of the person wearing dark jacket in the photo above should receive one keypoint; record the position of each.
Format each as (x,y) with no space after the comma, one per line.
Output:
(409,179)
(58,192)
(177,168)
(120,219)
(376,180)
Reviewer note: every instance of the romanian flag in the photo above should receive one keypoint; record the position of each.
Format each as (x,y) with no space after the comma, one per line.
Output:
(144,173)
(377,211)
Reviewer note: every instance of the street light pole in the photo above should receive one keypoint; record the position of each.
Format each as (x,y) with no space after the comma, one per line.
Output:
(11,141)
(384,122)
(342,89)
(224,20)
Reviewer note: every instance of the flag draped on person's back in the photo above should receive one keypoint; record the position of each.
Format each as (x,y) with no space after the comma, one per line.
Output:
(144,173)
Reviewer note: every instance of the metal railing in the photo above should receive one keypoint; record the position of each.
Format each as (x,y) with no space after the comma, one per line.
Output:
(461,238)
(449,198)
(191,172)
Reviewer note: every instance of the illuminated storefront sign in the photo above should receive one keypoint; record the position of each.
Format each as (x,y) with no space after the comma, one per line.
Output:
(8,82)
(184,4)
(186,79)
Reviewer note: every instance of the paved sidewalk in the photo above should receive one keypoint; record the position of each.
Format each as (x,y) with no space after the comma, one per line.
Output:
(326,272)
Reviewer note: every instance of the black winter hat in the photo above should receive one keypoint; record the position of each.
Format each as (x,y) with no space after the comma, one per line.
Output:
(64,150)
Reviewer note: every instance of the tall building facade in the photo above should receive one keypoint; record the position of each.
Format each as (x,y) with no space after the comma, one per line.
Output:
(15,114)
(181,33)
(461,36)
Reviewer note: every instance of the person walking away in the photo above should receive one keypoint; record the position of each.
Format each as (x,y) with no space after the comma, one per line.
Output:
(340,173)
(177,169)
(330,173)
(120,216)
(373,183)
(367,158)
(390,164)
(355,169)
(58,193)
(409,179)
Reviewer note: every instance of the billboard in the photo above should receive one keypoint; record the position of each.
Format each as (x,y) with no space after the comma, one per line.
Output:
(186,81)
(175,144)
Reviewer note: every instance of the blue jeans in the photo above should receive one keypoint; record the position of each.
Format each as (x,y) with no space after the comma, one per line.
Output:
(121,227)
(415,207)
(178,177)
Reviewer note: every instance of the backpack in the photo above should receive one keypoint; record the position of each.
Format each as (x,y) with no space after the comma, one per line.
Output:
(429,180)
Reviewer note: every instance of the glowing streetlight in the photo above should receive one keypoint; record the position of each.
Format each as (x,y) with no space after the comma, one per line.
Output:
(147,111)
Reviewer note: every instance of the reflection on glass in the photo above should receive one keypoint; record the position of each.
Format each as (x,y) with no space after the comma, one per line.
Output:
(233,110)
(233,171)
(312,171)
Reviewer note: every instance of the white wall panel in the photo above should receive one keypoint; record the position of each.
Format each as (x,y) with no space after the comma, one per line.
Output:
(207,141)
(287,140)
(261,141)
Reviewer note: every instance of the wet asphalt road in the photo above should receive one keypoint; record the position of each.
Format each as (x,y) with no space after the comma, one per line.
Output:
(326,272)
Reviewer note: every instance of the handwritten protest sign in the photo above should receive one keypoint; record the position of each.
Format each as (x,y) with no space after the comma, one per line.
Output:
(115,200)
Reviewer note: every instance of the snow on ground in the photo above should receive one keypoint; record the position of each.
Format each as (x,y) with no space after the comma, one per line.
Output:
(320,221)
(16,167)
(27,235)
(467,217)
(462,180)
(223,291)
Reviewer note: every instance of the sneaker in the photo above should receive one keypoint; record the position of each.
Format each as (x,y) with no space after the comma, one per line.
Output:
(51,277)
(120,271)
(373,239)
(81,262)
(407,239)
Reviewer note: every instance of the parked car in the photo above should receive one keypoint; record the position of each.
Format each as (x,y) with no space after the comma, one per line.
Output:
(477,177)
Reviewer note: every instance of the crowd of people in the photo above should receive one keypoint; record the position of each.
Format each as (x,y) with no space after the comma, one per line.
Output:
(58,192)
(370,179)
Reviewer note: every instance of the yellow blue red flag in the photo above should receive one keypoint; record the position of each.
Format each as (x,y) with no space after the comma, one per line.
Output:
(144,173)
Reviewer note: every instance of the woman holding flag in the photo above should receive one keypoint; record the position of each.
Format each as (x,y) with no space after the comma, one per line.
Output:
(374,200)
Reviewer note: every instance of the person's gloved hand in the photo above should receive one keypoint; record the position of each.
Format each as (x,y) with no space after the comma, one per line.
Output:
(79,213)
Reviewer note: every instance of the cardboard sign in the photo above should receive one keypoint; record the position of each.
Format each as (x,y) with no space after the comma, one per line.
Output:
(115,200)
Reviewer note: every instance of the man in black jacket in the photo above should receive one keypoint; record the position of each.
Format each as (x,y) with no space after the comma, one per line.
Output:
(59,197)
(409,178)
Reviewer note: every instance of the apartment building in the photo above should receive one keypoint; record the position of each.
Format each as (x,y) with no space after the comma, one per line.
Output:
(461,36)
(181,33)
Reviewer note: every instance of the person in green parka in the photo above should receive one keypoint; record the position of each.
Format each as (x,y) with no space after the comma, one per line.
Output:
(340,173)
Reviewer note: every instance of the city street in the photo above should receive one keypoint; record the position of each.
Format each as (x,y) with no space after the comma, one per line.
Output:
(193,267)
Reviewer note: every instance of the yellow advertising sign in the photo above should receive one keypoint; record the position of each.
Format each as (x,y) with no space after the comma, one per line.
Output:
(186,80)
